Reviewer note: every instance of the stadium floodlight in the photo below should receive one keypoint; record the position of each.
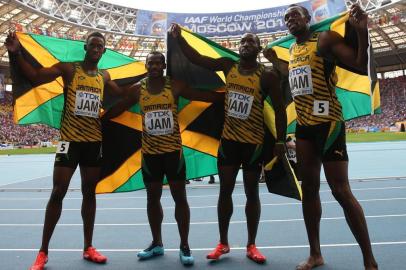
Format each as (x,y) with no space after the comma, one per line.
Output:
(46,5)
(102,22)
(74,14)
(130,27)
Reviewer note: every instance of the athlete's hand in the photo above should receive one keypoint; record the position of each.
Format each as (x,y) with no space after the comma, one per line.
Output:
(358,18)
(12,44)
(174,30)
(270,54)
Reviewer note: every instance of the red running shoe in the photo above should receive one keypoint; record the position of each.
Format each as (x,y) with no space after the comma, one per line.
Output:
(218,251)
(40,261)
(91,254)
(254,254)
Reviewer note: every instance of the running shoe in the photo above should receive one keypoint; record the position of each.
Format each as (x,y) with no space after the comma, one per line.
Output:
(218,251)
(254,254)
(152,251)
(185,256)
(40,261)
(91,254)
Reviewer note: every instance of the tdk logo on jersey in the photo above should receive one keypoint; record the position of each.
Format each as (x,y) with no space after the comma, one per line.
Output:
(239,96)
(298,71)
(161,114)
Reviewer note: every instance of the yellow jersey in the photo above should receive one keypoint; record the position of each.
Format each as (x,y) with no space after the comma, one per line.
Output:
(312,81)
(81,112)
(244,103)
(160,128)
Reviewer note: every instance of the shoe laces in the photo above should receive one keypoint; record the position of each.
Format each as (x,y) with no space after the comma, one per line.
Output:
(151,247)
(186,251)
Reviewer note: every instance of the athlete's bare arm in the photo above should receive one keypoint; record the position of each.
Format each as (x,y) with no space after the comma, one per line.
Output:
(132,97)
(279,65)
(180,88)
(271,84)
(113,88)
(220,64)
(332,44)
(37,76)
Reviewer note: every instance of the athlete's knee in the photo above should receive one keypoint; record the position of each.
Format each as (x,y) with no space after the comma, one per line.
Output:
(88,191)
(57,195)
(310,188)
(153,200)
(342,194)
(252,195)
(226,190)
(180,199)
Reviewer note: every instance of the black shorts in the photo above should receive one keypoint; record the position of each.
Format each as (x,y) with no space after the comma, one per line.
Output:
(87,154)
(156,166)
(232,153)
(329,139)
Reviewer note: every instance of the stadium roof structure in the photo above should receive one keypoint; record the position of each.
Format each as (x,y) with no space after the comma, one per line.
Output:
(74,19)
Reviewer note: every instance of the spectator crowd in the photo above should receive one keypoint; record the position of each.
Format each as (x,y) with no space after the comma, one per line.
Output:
(18,135)
(393,106)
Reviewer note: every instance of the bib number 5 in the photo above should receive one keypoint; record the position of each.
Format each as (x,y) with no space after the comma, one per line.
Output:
(62,148)
(321,107)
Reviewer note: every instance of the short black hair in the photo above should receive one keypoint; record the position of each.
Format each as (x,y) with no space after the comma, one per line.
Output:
(255,36)
(305,11)
(96,34)
(156,53)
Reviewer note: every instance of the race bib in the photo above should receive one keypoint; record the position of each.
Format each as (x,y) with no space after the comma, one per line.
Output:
(321,107)
(239,105)
(62,148)
(300,81)
(292,155)
(159,122)
(87,104)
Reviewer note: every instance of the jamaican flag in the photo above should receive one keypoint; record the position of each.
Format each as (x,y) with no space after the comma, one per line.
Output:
(44,103)
(209,125)
(358,92)
(121,135)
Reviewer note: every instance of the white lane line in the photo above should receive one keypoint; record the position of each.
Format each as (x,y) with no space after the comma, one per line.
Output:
(113,197)
(203,249)
(21,181)
(200,186)
(199,207)
(192,223)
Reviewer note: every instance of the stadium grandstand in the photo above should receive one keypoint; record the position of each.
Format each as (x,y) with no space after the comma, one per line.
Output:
(75,19)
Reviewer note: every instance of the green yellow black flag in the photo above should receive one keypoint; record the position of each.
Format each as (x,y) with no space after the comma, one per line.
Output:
(122,135)
(181,68)
(357,92)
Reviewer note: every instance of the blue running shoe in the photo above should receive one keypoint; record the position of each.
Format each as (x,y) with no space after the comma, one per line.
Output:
(185,256)
(152,251)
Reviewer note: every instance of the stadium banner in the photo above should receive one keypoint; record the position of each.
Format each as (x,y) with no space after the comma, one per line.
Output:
(2,86)
(268,20)
(151,23)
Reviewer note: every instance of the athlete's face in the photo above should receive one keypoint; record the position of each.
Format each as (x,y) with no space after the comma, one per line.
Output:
(155,65)
(94,49)
(296,20)
(249,46)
